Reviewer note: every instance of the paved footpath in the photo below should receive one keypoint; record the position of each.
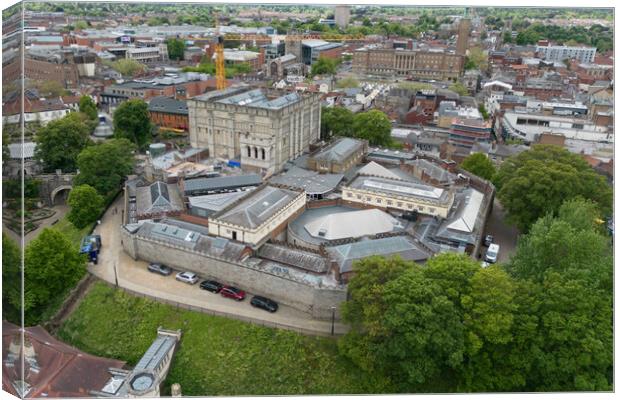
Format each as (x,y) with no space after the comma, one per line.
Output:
(133,275)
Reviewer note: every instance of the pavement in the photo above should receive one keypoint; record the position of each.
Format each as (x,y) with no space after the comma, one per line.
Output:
(133,275)
(61,211)
(504,234)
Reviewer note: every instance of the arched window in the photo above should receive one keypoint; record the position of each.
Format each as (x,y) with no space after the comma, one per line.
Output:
(263,153)
(255,152)
(249,152)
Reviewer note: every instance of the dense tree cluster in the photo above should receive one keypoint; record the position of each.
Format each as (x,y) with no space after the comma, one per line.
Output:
(86,205)
(534,183)
(132,121)
(542,323)
(597,35)
(324,66)
(480,165)
(372,125)
(176,48)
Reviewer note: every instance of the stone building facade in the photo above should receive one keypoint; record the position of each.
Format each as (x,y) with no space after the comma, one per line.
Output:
(410,63)
(263,129)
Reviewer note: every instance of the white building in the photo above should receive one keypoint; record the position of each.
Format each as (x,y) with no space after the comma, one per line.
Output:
(561,53)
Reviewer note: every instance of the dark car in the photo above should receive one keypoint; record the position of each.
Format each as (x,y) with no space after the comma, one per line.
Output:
(211,286)
(160,269)
(232,293)
(488,239)
(264,303)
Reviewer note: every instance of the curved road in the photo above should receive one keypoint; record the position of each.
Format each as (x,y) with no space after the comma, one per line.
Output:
(133,275)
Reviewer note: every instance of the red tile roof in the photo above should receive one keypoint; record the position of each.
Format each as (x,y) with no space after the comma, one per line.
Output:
(63,371)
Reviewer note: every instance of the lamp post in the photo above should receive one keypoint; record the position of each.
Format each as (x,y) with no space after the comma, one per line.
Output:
(333,318)
(115,275)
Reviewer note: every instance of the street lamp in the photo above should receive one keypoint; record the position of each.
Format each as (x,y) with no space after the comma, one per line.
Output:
(115,275)
(333,318)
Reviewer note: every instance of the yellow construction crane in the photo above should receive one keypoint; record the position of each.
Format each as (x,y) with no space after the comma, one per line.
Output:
(220,69)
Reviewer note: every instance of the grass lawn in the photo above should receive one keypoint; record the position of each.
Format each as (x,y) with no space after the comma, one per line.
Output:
(74,234)
(217,356)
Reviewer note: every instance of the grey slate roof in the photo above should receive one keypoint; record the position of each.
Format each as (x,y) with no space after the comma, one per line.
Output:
(294,257)
(157,197)
(220,183)
(346,254)
(339,150)
(257,207)
(168,105)
(433,170)
(310,181)
(215,202)
(400,188)
(156,352)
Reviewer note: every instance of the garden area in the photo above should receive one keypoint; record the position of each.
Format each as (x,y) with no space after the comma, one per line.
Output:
(12,207)
(216,356)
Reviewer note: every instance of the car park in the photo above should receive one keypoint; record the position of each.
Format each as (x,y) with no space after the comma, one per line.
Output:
(187,277)
(232,293)
(211,286)
(159,269)
(264,303)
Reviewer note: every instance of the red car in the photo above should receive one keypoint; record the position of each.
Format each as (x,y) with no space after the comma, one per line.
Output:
(232,293)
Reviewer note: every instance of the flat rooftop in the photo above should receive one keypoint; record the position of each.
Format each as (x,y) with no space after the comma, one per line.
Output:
(399,188)
(246,97)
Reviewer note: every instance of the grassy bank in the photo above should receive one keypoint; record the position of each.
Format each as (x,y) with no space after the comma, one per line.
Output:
(74,234)
(217,356)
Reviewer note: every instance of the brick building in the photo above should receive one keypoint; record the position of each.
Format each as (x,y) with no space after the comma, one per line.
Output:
(168,112)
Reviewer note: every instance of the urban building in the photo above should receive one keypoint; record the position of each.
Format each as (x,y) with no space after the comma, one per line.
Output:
(253,59)
(316,185)
(399,195)
(312,49)
(561,53)
(261,128)
(428,64)
(462,41)
(260,215)
(219,184)
(465,132)
(167,112)
(339,156)
(147,55)
(342,16)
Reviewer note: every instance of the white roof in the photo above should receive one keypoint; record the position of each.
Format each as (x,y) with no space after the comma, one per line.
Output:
(314,42)
(467,219)
(352,224)
(19,151)
(498,83)
(376,169)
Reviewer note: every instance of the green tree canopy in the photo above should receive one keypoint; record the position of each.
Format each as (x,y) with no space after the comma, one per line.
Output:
(324,66)
(126,66)
(86,205)
(480,165)
(132,121)
(373,126)
(477,59)
(60,141)
(459,88)
(52,265)
(176,48)
(11,279)
(536,182)
(336,121)
(88,107)
(347,83)
(103,166)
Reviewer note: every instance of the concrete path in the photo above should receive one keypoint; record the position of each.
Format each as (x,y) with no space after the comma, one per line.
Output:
(133,275)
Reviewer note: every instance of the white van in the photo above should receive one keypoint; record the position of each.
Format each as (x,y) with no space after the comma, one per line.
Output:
(492,252)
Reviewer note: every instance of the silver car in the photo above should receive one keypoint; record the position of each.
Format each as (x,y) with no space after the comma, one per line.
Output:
(187,277)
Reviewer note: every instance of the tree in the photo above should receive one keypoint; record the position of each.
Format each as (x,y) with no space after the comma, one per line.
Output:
(126,66)
(507,37)
(336,121)
(536,182)
(49,88)
(60,141)
(483,111)
(480,165)
(81,25)
(86,205)
(373,126)
(478,59)
(347,83)
(11,279)
(324,66)
(52,265)
(176,48)
(459,88)
(104,165)
(88,107)
(132,121)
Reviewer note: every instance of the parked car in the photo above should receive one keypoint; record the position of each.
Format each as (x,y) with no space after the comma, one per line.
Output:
(492,252)
(488,239)
(160,269)
(211,286)
(232,293)
(187,277)
(264,303)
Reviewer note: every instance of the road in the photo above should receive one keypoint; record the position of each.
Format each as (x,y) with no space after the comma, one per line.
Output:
(504,234)
(133,275)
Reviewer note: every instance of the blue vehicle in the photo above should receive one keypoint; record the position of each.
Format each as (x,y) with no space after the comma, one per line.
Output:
(91,245)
